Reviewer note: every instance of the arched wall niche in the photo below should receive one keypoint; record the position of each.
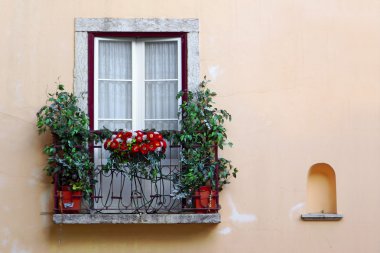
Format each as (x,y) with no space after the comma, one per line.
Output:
(321,189)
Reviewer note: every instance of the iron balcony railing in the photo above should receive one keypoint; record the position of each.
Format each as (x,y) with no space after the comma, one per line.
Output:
(118,191)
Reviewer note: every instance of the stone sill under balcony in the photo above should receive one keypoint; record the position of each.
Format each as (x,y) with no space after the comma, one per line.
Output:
(209,218)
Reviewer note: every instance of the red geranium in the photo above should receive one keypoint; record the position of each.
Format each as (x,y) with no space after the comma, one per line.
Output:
(151,146)
(151,136)
(139,138)
(127,135)
(158,136)
(127,145)
(144,149)
(114,144)
(135,148)
(157,144)
(124,146)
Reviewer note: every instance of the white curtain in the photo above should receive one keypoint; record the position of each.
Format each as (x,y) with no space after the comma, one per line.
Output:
(161,85)
(115,85)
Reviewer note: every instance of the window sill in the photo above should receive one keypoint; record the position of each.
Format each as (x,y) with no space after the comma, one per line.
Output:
(321,217)
(210,218)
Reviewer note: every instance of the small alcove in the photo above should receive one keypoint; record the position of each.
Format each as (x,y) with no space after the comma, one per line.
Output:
(321,194)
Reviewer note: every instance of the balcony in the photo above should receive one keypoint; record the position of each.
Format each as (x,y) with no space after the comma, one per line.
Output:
(125,196)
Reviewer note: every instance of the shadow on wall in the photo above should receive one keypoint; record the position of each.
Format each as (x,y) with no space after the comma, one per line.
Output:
(321,189)
(121,234)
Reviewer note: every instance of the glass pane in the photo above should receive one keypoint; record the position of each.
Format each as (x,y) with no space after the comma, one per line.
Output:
(161,60)
(160,99)
(115,59)
(115,100)
(160,125)
(115,125)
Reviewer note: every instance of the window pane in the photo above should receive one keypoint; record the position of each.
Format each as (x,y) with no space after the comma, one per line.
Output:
(161,60)
(160,100)
(115,60)
(115,124)
(115,100)
(160,125)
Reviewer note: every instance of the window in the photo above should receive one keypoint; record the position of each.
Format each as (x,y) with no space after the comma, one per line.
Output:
(135,80)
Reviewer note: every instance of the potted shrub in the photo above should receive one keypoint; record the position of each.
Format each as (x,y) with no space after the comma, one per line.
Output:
(202,133)
(69,162)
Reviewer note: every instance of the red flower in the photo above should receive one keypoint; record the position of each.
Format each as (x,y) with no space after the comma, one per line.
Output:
(107,143)
(139,138)
(151,146)
(127,135)
(151,136)
(114,144)
(135,148)
(144,149)
(157,144)
(158,137)
(139,133)
(124,146)
(119,135)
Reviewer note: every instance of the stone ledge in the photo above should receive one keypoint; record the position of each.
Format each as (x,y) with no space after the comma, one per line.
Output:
(211,218)
(321,217)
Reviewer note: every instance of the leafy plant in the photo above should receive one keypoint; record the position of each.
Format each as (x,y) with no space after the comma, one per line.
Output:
(202,133)
(68,157)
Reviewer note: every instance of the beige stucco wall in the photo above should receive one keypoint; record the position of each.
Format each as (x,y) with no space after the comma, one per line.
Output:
(301,79)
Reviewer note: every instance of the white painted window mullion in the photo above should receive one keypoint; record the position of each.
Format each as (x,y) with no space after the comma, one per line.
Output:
(138,90)
(179,74)
(96,83)
(142,86)
(135,71)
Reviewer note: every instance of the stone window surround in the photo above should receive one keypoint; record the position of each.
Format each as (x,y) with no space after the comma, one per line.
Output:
(85,25)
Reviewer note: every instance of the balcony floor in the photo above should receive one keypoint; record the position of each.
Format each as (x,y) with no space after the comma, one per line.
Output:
(209,218)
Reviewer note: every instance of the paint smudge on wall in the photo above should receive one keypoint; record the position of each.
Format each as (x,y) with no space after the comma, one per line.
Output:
(5,234)
(296,210)
(225,231)
(214,72)
(3,182)
(238,217)
(45,199)
(6,209)
(16,248)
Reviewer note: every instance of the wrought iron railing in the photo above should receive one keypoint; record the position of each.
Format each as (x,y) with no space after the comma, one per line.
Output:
(118,191)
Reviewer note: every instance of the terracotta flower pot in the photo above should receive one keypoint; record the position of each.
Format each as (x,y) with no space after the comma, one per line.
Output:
(69,201)
(205,200)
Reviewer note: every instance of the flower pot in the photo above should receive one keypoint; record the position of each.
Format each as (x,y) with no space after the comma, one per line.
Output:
(205,200)
(69,201)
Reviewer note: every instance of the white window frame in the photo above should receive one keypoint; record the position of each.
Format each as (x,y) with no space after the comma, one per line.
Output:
(138,78)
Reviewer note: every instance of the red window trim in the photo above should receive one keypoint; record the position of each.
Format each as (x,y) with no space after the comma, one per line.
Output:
(91,39)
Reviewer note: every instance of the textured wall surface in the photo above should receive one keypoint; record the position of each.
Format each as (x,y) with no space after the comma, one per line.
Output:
(301,79)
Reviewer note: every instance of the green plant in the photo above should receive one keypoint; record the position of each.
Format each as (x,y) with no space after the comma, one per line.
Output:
(68,156)
(202,133)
